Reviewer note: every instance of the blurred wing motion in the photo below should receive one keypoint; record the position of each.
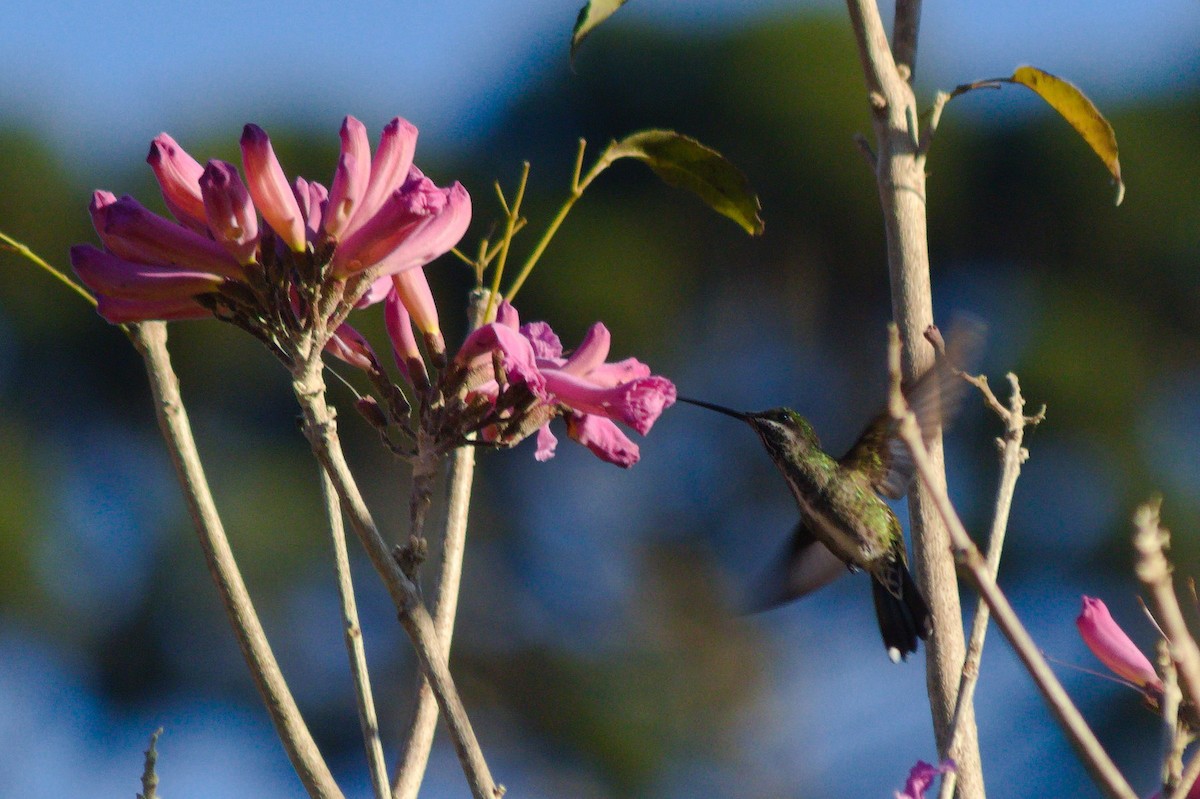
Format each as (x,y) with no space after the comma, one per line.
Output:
(934,398)
(801,568)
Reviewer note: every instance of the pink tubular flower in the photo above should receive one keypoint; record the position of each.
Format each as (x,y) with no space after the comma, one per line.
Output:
(590,393)
(269,187)
(179,178)
(921,777)
(135,234)
(229,210)
(1112,646)
(214,255)
(417,223)
(350,179)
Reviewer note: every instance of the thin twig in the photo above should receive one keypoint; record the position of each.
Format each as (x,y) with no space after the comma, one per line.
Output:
(417,743)
(1190,773)
(150,338)
(1150,539)
(321,430)
(355,650)
(149,776)
(1012,455)
(968,557)
(900,179)
(1175,736)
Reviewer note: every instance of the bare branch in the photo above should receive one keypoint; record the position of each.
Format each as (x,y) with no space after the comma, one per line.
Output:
(321,430)
(1012,455)
(1097,761)
(1150,539)
(415,754)
(150,338)
(352,633)
(900,180)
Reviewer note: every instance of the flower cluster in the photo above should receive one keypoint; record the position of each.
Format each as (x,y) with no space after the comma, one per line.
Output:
(519,378)
(314,250)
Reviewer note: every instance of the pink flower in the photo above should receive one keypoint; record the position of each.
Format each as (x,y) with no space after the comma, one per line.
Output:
(382,215)
(229,210)
(590,393)
(1112,646)
(269,187)
(921,777)
(179,178)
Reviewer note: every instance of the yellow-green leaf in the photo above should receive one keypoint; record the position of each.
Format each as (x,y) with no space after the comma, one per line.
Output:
(682,161)
(1066,98)
(591,15)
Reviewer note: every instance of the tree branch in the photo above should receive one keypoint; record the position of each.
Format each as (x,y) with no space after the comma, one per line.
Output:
(411,770)
(321,430)
(1104,772)
(352,632)
(900,177)
(1150,539)
(150,339)
(1012,455)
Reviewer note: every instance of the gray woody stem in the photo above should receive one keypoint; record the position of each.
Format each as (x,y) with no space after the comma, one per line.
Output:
(150,339)
(900,176)
(1012,455)
(352,633)
(975,568)
(411,769)
(1153,569)
(321,430)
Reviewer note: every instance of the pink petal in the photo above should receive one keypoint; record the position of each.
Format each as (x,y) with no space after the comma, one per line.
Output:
(179,178)
(350,179)
(229,210)
(590,353)
(546,344)
(389,170)
(507,315)
(413,289)
(603,438)
(106,274)
(269,188)
(120,311)
(134,233)
(378,291)
(546,444)
(921,777)
(637,403)
(614,374)
(350,346)
(1112,646)
(399,330)
(518,361)
(447,216)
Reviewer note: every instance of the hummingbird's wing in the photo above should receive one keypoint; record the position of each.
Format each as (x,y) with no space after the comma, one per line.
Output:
(934,398)
(803,566)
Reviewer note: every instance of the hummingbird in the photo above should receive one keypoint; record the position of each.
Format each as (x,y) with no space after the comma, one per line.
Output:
(844,520)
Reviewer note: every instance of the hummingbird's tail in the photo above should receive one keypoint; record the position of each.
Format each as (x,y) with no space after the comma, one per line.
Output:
(901,610)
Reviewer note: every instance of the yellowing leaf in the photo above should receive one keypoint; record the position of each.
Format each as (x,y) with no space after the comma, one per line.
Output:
(591,15)
(1065,98)
(682,161)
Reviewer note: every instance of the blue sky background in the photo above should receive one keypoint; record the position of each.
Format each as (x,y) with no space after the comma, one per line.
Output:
(102,80)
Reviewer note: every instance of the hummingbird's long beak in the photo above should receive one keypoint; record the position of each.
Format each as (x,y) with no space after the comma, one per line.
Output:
(718,408)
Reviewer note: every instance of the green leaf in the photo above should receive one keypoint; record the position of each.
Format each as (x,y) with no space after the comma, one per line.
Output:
(1065,98)
(682,161)
(591,15)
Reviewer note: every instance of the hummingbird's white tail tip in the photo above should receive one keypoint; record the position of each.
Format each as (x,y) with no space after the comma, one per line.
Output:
(894,654)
